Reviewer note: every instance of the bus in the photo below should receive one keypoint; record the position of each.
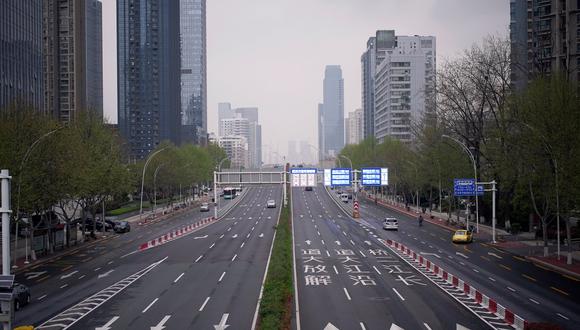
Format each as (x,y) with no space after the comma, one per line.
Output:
(229,193)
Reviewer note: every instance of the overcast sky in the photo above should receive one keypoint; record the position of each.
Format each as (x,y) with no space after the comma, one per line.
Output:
(272,53)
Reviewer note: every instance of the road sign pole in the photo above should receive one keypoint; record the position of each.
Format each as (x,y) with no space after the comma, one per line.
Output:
(493,219)
(215,197)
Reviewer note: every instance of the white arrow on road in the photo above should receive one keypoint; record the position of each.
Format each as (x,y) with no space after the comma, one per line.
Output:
(308,242)
(368,242)
(161,324)
(68,275)
(107,325)
(461,254)
(106,274)
(235,235)
(330,326)
(222,325)
(33,275)
(261,235)
(431,254)
(337,242)
(494,255)
(198,237)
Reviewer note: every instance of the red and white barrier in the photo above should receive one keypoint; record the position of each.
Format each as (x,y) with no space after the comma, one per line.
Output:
(178,233)
(484,301)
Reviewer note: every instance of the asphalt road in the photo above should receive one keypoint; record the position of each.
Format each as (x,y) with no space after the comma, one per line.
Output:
(190,282)
(348,280)
(535,293)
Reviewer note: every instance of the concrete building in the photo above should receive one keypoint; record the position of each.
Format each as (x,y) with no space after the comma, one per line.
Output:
(21,74)
(354,127)
(404,87)
(331,113)
(545,38)
(253,133)
(377,47)
(192,21)
(148,64)
(236,147)
(73,78)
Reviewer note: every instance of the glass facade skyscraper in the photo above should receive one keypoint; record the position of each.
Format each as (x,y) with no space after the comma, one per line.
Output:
(193,71)
(331,113)
(148,49)
(21,52)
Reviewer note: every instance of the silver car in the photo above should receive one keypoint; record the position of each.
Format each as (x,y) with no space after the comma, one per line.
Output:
(391,224)
(204,207)
(271,204)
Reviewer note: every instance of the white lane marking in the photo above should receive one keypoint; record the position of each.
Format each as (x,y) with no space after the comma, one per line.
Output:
(253,228)
(229,228)
(511,289)
(562,316)
(362,254)
(322,242)
(128,254)
(235,256)
(222,277)
(81,277)
(534,301)
(178,278)
(492,279)
(248,236)
(398,294)
(462,263)
(41,297)
(346,293)
(344,233)
(149,306)
(64,286)
(68,275)
(327,253)
(241,246)
(199,258)
(222,236)
(110,262)
(362,326)
(335,270)
(427,326)
(204,303)
(318,233)
(256,222)
(212,245)
(377,270)
(475,270)
(351,242)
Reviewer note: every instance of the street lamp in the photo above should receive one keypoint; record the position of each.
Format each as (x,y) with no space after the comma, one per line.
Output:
(24,159)
(470,154)
(155,187)
(143,178)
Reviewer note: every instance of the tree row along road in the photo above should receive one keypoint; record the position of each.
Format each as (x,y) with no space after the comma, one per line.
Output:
(200,272)
(348,280)
(532,292)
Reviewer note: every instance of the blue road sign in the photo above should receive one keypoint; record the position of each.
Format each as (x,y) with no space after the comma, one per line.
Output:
(480,190)
(340,177)
(370,176)
(303,170)
(466,188)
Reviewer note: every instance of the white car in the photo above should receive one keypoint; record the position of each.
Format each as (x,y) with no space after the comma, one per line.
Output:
(204,207)
(271,204)
(391,224)
(344,197)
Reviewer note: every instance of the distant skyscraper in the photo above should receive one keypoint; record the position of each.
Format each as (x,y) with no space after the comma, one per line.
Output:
(193,71)
(354,125)
(377,47)
(331,112)
(148,64)
(253,134)
(404,87)
(21,75)
(72,57)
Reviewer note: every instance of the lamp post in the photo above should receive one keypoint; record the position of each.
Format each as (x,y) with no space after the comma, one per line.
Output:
(143,178)
(470,154)
(155,187)
(20,168)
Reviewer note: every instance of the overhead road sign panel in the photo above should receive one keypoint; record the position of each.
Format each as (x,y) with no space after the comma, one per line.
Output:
(303,177)
(374,176)
(327,177)
(340,177)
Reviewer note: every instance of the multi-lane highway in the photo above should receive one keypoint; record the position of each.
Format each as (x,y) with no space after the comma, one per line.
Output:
(347,279)
(208,277)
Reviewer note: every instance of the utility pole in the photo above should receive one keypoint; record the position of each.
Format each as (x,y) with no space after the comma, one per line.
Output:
(7,314)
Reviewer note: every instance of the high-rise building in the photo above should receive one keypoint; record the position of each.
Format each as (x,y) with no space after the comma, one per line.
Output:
(253,133)
(545,38)
(377,47)
(148,49)
(73,77)
(331,113)
(192,22)
(354,126)
(21,73)
(404,87)
(236,147)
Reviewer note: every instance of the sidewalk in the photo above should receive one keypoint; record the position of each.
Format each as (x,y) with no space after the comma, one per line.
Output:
(521,245)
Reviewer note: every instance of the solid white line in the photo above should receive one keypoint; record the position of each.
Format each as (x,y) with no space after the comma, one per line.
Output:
(511,289)
(212,245)
(41,297)
(241,246)
(427,326)
(398,294)
(562,316)
(221,277)
(178,278)
(205,302)
(362,326)
(346,293)
(234,258)
(534,301)
(199,258)
(377,270)
(149,306)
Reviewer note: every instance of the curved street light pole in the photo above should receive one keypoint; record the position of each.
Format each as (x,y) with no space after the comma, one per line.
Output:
(466,149)
(155,187)
(24,159)
(143,178)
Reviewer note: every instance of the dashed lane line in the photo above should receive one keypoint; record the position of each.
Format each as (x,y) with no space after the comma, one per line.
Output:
(178,278)
(222,277)
(560,291)
(529,278)
(150,305)
(398,294)
(347,295)
(534,301)
(204,303)
(198,258)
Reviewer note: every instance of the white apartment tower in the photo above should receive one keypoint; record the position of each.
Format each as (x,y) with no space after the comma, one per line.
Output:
(354,126)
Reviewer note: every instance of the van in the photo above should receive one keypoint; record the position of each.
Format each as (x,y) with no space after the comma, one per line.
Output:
(344,197)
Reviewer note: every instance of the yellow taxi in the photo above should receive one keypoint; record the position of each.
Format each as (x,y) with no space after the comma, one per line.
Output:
(462,236)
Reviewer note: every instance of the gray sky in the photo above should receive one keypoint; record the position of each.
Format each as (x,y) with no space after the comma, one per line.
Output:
(271,53)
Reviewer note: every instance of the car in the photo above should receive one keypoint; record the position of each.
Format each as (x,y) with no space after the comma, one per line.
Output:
(462,236)
(204,207)
(391,224)
(271,204)
(21,295)
(344,197)
(308,188)
(122,227)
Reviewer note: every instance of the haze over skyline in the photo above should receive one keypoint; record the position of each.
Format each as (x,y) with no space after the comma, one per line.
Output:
(267,53)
